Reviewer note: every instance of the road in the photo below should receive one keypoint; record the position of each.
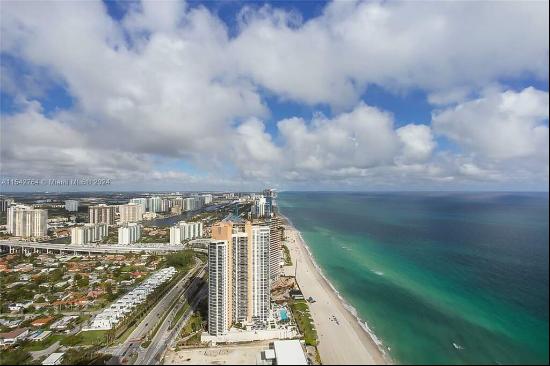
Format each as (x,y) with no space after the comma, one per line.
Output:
(165,335)
(154,316)
(46,247)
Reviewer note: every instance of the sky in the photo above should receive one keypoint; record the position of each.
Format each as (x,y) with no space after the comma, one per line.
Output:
(238,96)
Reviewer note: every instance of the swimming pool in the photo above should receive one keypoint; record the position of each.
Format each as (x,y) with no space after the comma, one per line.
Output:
(283,314)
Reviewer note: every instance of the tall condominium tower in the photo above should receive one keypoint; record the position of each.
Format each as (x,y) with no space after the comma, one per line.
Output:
(270,196)
(131,212)
(102,214)
(275,233)
(206,199)
(25,221)
(129,233)
(5,203)
(185,231)
(248,269)
(241,272)
(192,203)
(71,205)
(260,272)
(154,204)
(258,209)
(219,313)
(140,201)
(89,233)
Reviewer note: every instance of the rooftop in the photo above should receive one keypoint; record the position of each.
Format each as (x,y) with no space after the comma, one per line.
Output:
(289,352)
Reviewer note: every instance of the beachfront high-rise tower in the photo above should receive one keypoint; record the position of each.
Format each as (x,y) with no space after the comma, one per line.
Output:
(275,248)
(248,269)
(219,319)
(260,272)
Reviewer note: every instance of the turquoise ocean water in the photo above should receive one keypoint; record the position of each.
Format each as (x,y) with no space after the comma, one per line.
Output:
(439,277)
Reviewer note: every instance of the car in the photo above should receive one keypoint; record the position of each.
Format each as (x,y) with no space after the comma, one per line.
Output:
(311,300)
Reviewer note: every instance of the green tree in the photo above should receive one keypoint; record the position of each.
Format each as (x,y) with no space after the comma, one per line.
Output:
(83,282)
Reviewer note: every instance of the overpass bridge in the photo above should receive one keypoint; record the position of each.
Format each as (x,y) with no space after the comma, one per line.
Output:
(148,248)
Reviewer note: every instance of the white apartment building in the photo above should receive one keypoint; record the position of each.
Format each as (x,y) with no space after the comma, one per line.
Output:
(140,201)
(89,233)
(154,204)
(129,233)
(5,203)
(185,231)
(258,207)
(112,315)
(102,214)
(206,199)
(166,204)
(193,203)
(260,273)
(219,321)
(131,212)
(25,221)
(71,205)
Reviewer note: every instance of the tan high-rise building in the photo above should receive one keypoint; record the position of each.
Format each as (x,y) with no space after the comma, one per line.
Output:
(131,212)
(247,271)
(25,221)
(275,248)
(102,214)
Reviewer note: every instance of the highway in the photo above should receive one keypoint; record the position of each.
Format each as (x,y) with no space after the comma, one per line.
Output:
(31,247)
(166,335)
(156,314)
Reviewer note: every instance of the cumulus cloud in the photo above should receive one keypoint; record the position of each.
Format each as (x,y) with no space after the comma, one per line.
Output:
(398,45)
(418,142)
(499,125)
(361,138)
(355,144)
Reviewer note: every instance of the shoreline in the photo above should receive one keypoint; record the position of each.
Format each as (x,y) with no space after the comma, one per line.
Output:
(354,328)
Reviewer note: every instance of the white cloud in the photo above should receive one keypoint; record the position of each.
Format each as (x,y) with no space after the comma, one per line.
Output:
(445,48)
(418,142)
(254,151)
(362,138)
(168,82)
(499,125)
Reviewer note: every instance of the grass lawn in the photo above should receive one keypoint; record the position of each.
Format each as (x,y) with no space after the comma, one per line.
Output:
(287,259)
(300,311)
(180,313)
(14,357)
(89,337)
(193,325)
(38,346)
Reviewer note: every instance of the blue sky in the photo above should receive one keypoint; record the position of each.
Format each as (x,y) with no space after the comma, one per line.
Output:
(296,95)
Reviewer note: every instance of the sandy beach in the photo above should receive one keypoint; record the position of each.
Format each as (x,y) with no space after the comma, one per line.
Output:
(341,342)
